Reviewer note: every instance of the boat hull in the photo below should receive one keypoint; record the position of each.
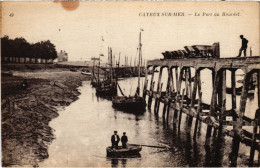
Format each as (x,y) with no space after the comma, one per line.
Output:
(129,103)
(130,151)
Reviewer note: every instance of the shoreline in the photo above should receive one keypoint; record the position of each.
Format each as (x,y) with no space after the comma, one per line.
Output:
(26,113)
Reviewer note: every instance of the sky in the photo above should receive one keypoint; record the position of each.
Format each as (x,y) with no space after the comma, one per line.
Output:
(78,27)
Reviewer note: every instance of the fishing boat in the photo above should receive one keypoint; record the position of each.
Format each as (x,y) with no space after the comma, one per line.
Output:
(131,150)
(108,87)
(134,103)
(130,103)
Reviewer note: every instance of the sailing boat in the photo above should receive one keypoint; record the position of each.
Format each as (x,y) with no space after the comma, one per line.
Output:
(134,103)
(95,80)
(108,86)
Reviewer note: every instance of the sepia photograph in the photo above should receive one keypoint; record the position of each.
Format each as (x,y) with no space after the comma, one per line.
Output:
(130,84)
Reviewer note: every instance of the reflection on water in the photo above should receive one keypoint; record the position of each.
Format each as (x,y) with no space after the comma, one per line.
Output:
(84,128)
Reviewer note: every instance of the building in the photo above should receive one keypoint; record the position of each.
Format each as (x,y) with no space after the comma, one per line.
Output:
(62,56)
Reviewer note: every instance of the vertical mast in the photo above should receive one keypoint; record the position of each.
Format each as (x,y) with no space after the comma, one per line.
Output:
(111,61)
(139,59)
(98,69)
(119,60)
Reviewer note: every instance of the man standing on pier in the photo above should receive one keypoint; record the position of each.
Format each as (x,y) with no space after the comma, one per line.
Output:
(243,47)
(115,140)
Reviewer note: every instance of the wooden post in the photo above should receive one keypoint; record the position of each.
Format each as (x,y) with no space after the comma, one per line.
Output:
(213,101)
(237,127)
(258,111)
(164,110)
(199,103)
(233,86)
(223,105)
(151,90)
(168,91)
(159,99)
(178,83)
(145,83)
(220,90)
(190,81)
(158,88)
(194,92)
(186,82)
(256,124)
(169,94)
(180,115)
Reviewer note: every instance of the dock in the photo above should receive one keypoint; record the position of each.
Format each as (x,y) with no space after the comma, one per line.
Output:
(215,114)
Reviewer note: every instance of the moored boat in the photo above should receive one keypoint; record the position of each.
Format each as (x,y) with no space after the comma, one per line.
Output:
(129,103)
(130,151)
(136,102)
(86,73)
(107,90)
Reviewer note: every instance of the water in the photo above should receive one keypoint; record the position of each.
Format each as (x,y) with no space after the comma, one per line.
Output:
(84,128)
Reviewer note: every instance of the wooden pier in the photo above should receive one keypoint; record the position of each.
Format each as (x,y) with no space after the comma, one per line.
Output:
(189,99)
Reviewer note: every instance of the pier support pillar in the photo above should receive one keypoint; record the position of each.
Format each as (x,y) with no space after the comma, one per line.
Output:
(223,101)
(168,92)
(158,88)
(198,82)
(145,83)
(237,127)
(213,100)
(151,90)
(255,126)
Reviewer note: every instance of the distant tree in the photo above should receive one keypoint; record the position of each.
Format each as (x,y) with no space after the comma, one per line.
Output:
(20,48)
(5,47)
(49,50)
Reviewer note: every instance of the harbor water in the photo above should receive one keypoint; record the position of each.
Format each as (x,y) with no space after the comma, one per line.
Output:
(83,131)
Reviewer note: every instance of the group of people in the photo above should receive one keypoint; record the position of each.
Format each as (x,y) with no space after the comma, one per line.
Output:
(115,140)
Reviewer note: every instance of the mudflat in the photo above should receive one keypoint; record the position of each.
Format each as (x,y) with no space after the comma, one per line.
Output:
(27,111)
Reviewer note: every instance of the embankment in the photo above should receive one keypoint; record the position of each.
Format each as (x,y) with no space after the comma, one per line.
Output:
(26,112)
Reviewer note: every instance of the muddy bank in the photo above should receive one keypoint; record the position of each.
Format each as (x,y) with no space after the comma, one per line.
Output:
(26,112)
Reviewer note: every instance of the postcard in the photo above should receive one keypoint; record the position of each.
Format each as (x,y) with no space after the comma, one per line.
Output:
(130,84)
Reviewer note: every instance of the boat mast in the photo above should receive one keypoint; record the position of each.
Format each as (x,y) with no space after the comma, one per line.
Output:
(111,61)
(139,59)
(98,69)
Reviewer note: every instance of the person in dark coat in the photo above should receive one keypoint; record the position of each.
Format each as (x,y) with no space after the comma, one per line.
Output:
(124,140)
(243,47)
(115,140)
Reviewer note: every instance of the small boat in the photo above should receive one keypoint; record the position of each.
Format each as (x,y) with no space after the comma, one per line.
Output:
(131,150)
(86,73)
